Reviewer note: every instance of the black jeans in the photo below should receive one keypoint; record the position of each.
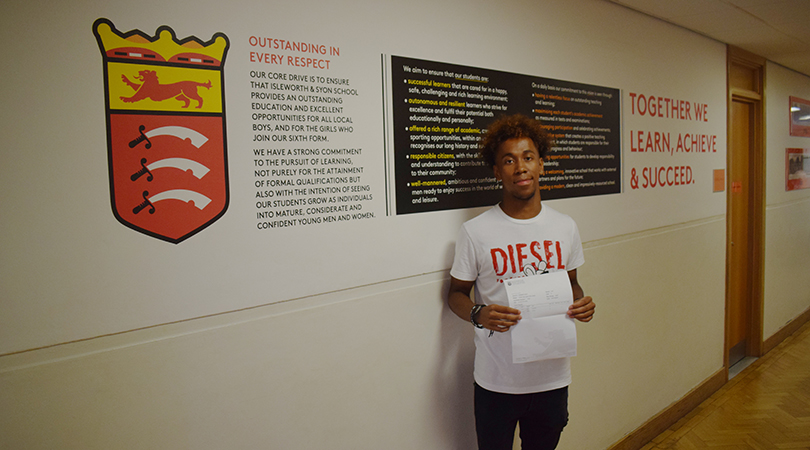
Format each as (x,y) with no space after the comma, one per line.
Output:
(542,417)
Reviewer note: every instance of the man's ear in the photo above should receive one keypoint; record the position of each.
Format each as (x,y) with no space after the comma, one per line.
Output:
(542,167)
(497,171)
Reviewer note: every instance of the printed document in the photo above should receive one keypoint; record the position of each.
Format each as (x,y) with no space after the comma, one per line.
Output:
(545,331)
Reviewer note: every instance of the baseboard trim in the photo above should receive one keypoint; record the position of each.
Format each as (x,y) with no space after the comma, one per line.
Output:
(659,423)
(666,418)
(785,332)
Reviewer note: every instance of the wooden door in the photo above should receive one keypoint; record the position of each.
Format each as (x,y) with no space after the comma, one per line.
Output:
(745,206)
(739,246)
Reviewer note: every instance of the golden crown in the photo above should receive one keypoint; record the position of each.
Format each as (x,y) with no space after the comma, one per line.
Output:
(162,47)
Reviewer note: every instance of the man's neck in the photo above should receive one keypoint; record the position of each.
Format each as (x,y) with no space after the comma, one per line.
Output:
(522,209)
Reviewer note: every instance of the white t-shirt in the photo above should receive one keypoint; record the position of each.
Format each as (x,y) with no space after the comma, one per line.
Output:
(494,247)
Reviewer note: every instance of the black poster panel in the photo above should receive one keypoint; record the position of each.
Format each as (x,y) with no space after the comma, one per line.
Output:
(440,110)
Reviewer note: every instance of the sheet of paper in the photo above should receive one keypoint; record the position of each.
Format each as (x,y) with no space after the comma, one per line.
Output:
(545,332)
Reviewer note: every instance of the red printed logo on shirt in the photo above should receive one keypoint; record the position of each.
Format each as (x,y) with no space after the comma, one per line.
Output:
(527,259)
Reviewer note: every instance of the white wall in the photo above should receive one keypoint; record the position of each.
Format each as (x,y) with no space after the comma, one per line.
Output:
(284,376)
(659,332)
(323,373)
(787,213)
(78,273)
(332,336)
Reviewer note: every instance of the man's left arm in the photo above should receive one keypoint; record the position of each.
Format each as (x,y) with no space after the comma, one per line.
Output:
(583,307)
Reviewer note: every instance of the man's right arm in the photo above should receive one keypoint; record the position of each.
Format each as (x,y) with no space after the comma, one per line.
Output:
(492,317)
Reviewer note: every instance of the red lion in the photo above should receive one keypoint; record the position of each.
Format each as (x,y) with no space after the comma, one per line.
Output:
(185,91)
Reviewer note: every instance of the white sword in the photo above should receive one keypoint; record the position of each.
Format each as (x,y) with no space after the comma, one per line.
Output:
(200,201)
(197,169)
(184,133)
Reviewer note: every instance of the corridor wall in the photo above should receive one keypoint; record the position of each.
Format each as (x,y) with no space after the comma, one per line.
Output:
(786,212)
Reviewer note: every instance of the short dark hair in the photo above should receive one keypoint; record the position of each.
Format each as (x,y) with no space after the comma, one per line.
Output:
(513,127)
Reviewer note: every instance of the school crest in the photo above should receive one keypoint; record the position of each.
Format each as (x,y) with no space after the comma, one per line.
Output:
(166,140)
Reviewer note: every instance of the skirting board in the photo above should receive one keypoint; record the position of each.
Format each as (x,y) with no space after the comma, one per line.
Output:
(786,331)
(639,437)
(666,418)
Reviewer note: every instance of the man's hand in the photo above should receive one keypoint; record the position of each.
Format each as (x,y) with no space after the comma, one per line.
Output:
(492,317)
(498,318)
(582,309)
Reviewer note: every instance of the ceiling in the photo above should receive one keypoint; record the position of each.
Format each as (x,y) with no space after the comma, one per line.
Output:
(778,30)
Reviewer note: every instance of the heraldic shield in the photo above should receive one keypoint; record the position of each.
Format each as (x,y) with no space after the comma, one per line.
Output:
(166,142)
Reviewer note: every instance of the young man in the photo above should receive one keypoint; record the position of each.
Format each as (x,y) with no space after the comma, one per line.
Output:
(518,237)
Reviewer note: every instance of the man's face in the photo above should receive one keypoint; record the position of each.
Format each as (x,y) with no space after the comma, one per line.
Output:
(518,166)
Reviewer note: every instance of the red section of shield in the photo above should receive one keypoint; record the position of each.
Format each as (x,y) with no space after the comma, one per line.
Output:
(168,173)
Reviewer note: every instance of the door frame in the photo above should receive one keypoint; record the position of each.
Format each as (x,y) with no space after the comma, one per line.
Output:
(745,82)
